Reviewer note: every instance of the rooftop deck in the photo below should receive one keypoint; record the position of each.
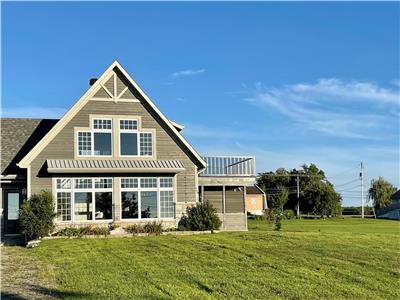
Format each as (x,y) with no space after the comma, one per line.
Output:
(230,166)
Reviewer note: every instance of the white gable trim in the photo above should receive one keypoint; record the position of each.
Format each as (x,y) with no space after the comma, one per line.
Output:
(70,114)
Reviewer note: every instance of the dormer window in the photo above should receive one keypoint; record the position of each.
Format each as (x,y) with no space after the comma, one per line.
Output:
(132,141)
(97,141)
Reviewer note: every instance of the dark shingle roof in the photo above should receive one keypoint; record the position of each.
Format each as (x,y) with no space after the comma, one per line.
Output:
(18,137)
(252,190)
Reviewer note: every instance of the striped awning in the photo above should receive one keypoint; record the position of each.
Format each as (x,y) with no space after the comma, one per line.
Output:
(113,166)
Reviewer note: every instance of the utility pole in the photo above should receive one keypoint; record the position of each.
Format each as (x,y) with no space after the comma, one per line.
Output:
(362,189)
(298,195)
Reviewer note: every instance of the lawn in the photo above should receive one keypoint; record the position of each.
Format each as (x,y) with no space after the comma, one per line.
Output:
(309,259)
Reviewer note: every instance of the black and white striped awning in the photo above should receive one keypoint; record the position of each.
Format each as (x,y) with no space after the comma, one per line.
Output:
(113,166)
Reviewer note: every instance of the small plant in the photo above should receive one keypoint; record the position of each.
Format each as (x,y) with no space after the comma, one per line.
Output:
(278,201)
(37,215)
(153,228)
(201,217)
(150,228)
(289,214)
(81,231)
(134,229)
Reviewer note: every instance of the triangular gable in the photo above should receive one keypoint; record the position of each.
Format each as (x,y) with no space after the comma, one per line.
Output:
(109,86)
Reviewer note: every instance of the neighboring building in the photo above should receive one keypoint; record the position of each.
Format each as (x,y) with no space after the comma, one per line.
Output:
(392,211)
(255,200)
(114,156)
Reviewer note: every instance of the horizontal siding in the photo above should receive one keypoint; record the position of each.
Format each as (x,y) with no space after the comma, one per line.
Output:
(234,201)
(214,196)
(61,147)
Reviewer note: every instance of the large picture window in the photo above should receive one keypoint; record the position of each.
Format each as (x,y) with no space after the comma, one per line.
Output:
(84,199)
(147,198)
(98,141)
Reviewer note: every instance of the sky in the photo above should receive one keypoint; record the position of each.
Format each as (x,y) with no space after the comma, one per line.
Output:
(291,83)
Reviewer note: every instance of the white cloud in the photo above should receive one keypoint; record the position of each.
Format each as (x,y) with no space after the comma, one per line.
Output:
(331,106)
(188,72)
(33,112)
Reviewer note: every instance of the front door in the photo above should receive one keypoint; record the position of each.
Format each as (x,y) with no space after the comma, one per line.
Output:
(12,203)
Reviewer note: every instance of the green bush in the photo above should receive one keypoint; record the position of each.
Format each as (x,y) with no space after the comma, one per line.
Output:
(37,215)
(201,217)
(81,231)
(289,214)
(150,228)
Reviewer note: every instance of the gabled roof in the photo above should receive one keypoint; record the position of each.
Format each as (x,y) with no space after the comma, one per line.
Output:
(25,161)
(253,190)
(18,136)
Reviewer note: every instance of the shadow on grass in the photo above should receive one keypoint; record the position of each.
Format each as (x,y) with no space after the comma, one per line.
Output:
(42,293)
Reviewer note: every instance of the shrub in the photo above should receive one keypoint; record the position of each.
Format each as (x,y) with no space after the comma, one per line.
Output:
(37,215)
(134,229)
(150,228)
(153,228)
(289,214)
(201,217)
(81,231)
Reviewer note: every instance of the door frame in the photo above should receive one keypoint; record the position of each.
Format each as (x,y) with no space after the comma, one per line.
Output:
(5,215)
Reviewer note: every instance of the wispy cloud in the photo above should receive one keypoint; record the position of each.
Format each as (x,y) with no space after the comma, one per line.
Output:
(332,106)
(188,72)
(33,112)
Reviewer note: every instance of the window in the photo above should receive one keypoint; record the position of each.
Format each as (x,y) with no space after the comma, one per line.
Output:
(166,204)
(130,205)
(148,205)
(84,143)
(96,142)
(132,141)
(146,144)
(128,137)
(129,183)
(87,199)
(64,206)
(147,198)
(148,182)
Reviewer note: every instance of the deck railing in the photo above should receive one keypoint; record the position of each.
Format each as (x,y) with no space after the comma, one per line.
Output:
(229,166)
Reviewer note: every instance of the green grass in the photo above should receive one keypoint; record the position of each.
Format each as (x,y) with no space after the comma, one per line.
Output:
(309,259)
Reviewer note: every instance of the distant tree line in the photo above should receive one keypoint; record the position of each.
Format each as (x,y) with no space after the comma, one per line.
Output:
(317,195)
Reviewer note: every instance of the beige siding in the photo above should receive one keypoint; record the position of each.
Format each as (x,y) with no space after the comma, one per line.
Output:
(234,200)
(62,146)
(110,85)
(214,196)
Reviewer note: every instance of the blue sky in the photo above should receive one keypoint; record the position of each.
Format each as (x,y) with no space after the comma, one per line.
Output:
(291,83)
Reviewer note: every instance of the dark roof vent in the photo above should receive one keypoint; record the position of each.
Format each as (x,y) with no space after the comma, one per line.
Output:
(92,81)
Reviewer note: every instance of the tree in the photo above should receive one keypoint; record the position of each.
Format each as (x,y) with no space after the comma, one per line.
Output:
(37,215)
(278,202)
(380,192)
(317,195)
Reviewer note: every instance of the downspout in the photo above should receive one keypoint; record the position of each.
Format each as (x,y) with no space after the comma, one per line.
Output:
(264,196)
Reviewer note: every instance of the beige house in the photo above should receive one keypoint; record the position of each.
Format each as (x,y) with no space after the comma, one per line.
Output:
(255,200)
(114,156)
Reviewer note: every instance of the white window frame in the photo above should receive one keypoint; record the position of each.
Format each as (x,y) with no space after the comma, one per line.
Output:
(140,189)
(152,143)
(129,131)
(93,190)
(138,131)
(92,130)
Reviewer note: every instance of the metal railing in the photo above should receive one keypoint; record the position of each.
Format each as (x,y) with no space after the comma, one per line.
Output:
(229,166)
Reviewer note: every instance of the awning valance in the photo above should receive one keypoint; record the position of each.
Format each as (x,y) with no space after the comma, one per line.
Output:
(113,166)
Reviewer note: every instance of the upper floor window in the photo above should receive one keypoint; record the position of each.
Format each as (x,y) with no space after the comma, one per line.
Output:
(132,141)
(97,141)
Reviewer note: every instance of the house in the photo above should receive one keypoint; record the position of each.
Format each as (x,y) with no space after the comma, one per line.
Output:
(255,200)
(114,156)
(392,211)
